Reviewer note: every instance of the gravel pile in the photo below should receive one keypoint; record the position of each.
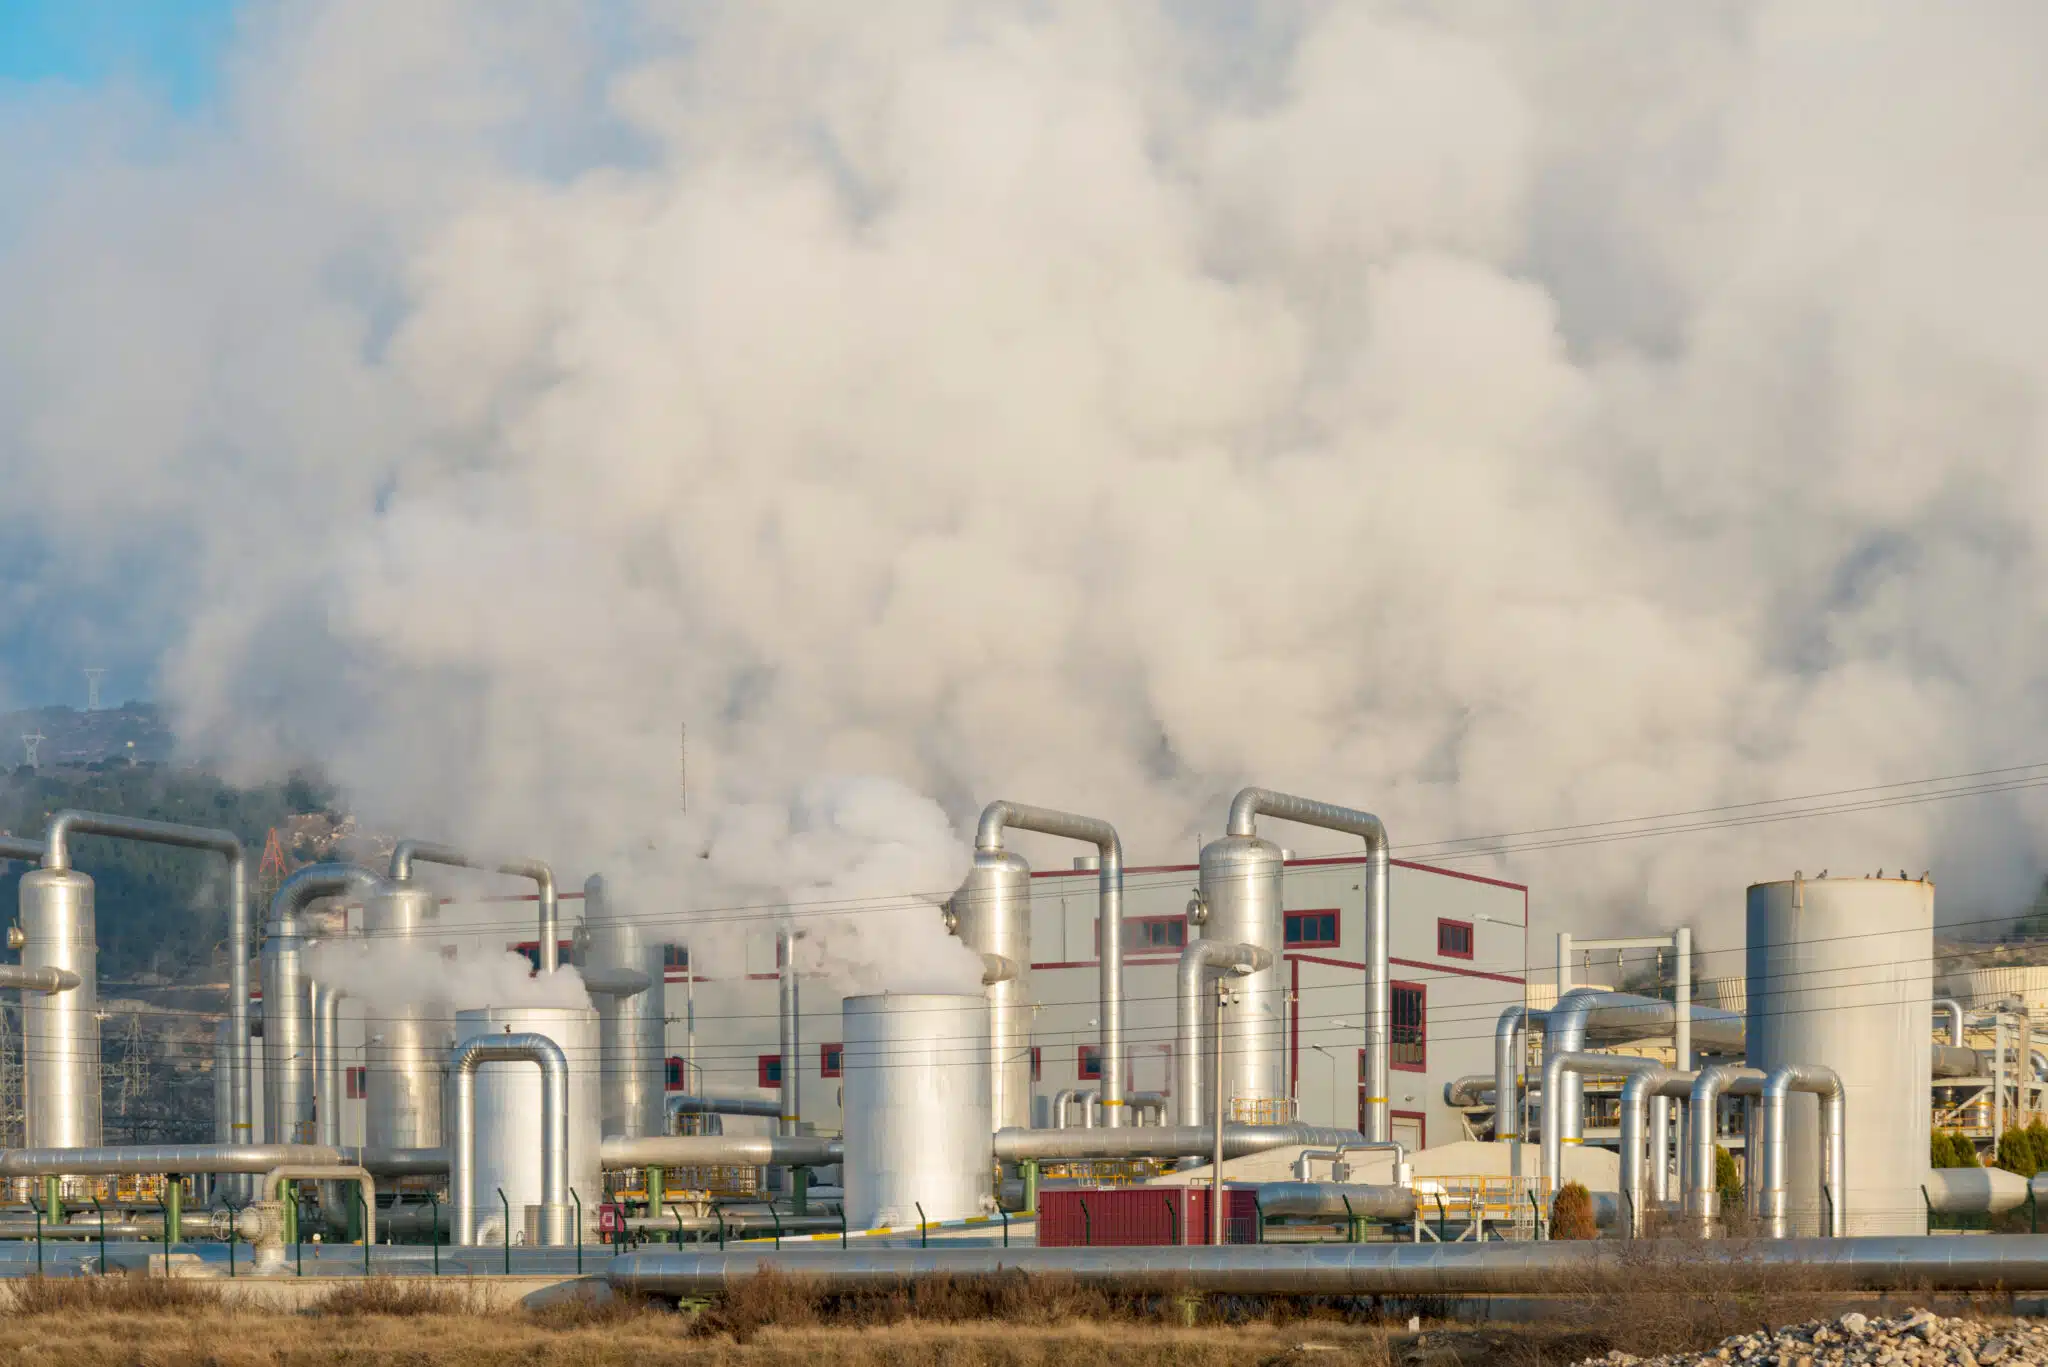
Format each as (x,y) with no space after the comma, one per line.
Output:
(1919,1339)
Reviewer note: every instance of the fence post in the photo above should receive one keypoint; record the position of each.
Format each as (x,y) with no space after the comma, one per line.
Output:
(776,1216)
(923,1240)
(39,1231)
(234,1228)
(1828,1204)
(1006,1224)
(102,1213)
(1350,1220)
(679,1226)
(842,1222)
(508,1230)
(579,1229)
(298,1239)
(1536,1206)
(1442,1219)
(718,1214)
(363,1204)
(434,1228)
(1258,1220)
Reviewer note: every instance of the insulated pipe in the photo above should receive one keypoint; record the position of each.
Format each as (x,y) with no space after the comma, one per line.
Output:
(463,1062)
(679,1104)
(1619,1015)
(988,839)
(288,1045)
(1949,1060)
(1245,809)
(14,847)
(1152,1103)
(1560,1127)
(125,1159)
(328,1088)
(722,1150)
(1060,1100)
(789,1026)
(1472,1089)
(1162,1141)
(1510,1048)
(407,852)
(1953,1009)
(44,980)
(325,1173)
(1088,1100)
(1702,1196)
(398,1162)
(57,856)
(1199,962)
(1778,1088)
(1403,1175)
(2016,1262)
(1637,1093)
(1340,1199)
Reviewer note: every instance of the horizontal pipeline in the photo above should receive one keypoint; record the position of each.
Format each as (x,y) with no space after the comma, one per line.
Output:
(716,1150)
(2009,1262)
(1336,1200)
(145,1159)
(1164,1141)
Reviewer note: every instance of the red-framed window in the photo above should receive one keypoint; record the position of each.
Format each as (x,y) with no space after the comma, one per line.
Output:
(830,1057)
(675,962)
(1150,934)
(1037,1063)
(770,1066)
(530,949)
(1088,1062)
(1408,1031)
(358,1083)
(1454,939)
(1312,929)
(673,1067)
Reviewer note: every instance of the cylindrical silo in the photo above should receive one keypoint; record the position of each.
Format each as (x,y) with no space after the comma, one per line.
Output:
(406,1046)
(916,1079)
(508,1120)
(60,1031)
(630,1017)
(1839,974)
(992,915)
(1241,882)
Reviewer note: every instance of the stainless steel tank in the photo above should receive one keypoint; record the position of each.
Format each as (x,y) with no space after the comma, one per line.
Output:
(406,1047)
(60,1031)
(631,1026)
(1240,887)
(992,915)
(916,1081)
(508,1110)
(1839,971)
(287,1036)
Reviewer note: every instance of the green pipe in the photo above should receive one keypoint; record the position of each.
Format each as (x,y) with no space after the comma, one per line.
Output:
(800,1190)
(53,1206)
(289,1200)
(657,1194)
(174,1211)
(1029,1169)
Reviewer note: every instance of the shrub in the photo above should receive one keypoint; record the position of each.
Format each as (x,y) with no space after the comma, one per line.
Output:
(1571,1213)
(1946,1149)
(1728,1179)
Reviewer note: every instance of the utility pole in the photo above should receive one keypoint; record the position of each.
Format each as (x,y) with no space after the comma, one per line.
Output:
(92,689)
(31,742)
(1224,997)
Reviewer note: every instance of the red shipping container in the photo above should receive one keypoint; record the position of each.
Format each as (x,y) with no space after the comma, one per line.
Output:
(1124,1217)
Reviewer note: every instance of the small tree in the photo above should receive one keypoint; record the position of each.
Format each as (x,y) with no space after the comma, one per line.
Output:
(1947,1149)
(2016,1153)
(1728,1178)
(1571,1214)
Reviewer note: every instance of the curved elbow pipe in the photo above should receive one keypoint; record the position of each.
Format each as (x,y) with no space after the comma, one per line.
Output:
(1199,962)
(290,1026)
(1403,1176)
(407,852)
(1636,1093)
(1245,809)
(1953,1009)
(997,969)
(1702,1196)
(463,1062)
(1778,1087)
(1619,1015)
(56,854)
(1559,1127)
(679,1104)
(988,836)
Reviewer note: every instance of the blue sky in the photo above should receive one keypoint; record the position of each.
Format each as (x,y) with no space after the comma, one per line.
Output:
(170,48)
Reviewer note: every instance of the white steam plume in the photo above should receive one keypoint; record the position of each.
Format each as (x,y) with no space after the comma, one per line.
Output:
(389,974)
(1496,417)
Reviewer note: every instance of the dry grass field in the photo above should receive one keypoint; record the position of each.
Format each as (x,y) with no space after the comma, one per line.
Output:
(778,1322)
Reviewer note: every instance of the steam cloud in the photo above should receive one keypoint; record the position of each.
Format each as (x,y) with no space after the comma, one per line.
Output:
(1492,417)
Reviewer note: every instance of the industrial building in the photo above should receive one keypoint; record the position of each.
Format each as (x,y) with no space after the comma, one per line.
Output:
(1344,1049)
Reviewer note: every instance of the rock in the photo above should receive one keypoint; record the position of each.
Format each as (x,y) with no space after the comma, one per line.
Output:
(1853,1324)
(1993,1350)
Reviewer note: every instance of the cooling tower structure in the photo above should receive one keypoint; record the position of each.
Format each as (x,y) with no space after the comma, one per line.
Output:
(916,1077)
(60,1031)
(1838,971)
(408,1045)
(992,915)
(509,1148)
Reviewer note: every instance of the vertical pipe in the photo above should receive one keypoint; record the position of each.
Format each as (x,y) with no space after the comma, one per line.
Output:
(1216,1158)
(1564,963)
(1510,1050)
(1200,961)
(463,1062)
(1681,996)
(1660,1148)
(785,972)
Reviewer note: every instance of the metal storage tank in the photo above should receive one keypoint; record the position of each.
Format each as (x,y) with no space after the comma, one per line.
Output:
(916,1079)
(1240,887)
(60,1031)
(630,1025)
(406,1047)
(992,915)
(508,1129)
(1839,974)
